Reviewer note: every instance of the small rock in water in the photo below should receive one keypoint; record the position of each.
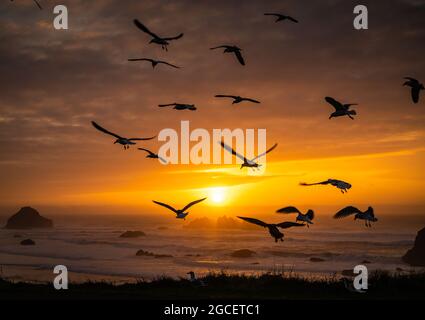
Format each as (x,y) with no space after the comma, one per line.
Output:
(132,234)
(27,242)
(314,259)
(243,253)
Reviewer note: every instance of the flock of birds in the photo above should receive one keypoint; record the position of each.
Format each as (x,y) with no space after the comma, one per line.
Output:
(341,109)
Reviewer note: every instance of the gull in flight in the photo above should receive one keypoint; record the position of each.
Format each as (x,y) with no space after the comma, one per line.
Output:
(246,162)
(273,228)
(341,109)
(179,106)
(343,186)
(126,142)
(236,99)
(180,213)
(153,155)
(163,42)
(307,217)
(154,62)
(368,215)
(36,2)
(281,17)
(232,49)
(416,88)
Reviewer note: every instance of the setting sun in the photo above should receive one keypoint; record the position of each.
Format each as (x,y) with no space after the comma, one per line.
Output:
(217,195)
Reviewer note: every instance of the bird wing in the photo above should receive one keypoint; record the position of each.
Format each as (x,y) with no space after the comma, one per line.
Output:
(141,139)
(225,96)
(166,105)
(347,211)
(313,184)
(288,224)
(105,131)
(411,79)
(264,153)
(238,55)
(142,27)
(251,100)
(255,221)
(192,204)
(166,206)
(224,46)
(292,19)
(415,94)
(336,104)
(38,4)
(288,210)
(174,38)
(226,147)
(140,59)
(148,151)
(171,65)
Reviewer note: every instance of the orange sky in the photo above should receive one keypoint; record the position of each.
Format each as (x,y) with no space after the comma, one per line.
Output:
(55,82)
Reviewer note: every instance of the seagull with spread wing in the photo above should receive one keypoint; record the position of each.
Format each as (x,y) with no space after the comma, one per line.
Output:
(342,185)
(281,17)
(273,228)
(368,216)
(36,2)
(341,109)
(163,42)
(180,213)
(153,155)
(236,99)
(179,106)
(246,162)
(232,49)
(415,86)
(307,217)
(126,142)
(154,62)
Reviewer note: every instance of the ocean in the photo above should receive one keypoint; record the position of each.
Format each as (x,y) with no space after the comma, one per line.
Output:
(92,246)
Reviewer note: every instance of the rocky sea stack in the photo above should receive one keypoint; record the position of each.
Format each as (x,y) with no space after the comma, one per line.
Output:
(416,255)
(28,218)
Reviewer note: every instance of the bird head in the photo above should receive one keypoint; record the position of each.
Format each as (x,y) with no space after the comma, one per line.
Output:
(116,141)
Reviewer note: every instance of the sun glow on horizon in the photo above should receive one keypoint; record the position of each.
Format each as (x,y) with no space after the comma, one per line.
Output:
(217,195)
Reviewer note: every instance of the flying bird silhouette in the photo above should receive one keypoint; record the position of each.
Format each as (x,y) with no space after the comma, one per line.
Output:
(153,155)
(232,49)
(341,109)
(126,142)
(307,217)
(36,2)
(342,185)
(236,99)
(179,106)
(246,162)
(154,62)
(180,213)
(273,228)
(281,17)
(368,215)
(415,86)
(162,41)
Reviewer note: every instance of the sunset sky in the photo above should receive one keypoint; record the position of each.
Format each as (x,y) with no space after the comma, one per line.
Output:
(53,83)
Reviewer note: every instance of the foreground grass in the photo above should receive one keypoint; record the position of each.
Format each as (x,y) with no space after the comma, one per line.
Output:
(382,285)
